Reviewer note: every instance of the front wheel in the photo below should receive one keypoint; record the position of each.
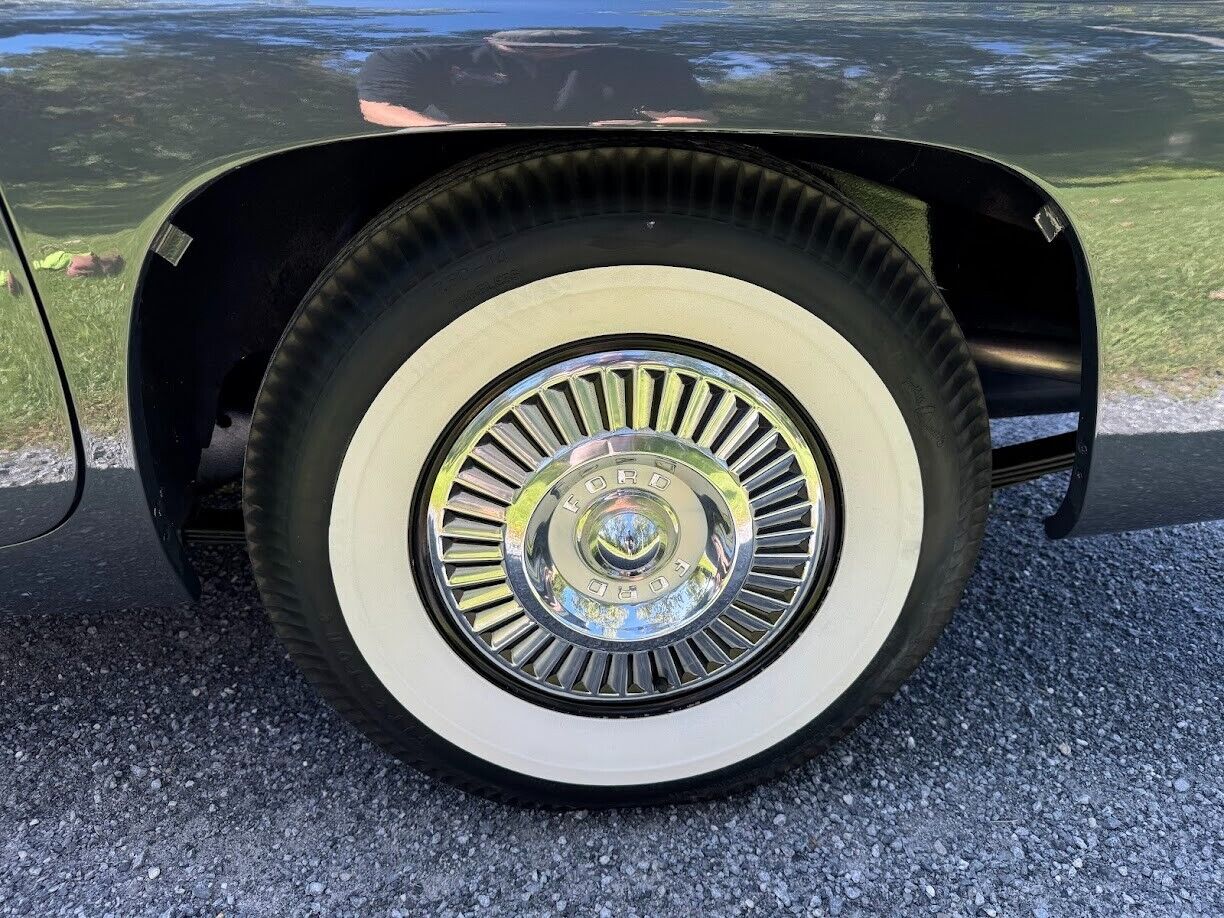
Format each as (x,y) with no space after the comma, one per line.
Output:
(615,474)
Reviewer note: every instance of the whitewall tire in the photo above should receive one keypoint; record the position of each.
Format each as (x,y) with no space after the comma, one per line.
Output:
(792,428)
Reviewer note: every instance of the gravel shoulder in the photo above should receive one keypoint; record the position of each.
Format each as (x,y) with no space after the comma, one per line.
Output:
(1060,753)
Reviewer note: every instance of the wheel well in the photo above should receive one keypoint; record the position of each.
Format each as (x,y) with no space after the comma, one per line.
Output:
(204,331)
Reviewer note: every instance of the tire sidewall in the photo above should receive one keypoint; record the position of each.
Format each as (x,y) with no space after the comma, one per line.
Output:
(403,312)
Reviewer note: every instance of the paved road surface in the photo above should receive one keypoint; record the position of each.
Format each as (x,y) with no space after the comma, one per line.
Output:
(1060,753)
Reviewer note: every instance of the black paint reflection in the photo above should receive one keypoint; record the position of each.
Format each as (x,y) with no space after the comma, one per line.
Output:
(530,76)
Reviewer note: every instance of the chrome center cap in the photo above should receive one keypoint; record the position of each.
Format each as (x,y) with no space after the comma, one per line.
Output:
(627,534)
(627,537)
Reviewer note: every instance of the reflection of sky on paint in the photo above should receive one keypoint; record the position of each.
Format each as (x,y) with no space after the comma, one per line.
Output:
(1040,63)
(511,14)
(476,18)
(337,22)
(346,61)
(286,40)
(1185,58)
(635,14)
(346,30)
(740,65)
(737,65)
(1050,66)
(999,47)
(99,39)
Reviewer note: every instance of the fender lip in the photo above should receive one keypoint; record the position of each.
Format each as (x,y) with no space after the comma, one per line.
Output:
(1062,523)
(1044,198)
(9,239)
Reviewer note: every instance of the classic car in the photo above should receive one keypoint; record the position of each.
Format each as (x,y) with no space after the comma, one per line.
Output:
(604,391)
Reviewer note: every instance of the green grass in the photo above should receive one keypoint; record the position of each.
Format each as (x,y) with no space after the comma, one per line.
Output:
(1156,241)
(1156,238)
(31,404)
(91,343)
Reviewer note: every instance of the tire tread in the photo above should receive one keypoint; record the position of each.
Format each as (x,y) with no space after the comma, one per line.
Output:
(479,202)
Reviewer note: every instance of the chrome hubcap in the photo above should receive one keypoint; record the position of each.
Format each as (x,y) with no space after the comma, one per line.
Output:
(628,533)
(627,536)
(626,525)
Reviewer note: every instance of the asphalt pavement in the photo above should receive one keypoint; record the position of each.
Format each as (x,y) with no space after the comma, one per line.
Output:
(1060,753)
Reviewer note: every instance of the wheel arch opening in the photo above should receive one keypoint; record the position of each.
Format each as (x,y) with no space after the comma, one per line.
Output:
(203,331)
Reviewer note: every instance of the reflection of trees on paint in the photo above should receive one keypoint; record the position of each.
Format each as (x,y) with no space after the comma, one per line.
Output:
(126,102)
(118,126)
(1036,91)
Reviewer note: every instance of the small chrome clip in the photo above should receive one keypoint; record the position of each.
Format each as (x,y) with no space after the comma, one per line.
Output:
(1050,222)
(171,243)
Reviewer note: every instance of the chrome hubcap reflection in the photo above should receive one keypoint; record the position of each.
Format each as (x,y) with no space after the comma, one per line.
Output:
(627,534)
(626,525)
(626,537)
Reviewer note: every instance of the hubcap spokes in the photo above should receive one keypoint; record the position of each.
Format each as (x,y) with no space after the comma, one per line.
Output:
(625,526)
